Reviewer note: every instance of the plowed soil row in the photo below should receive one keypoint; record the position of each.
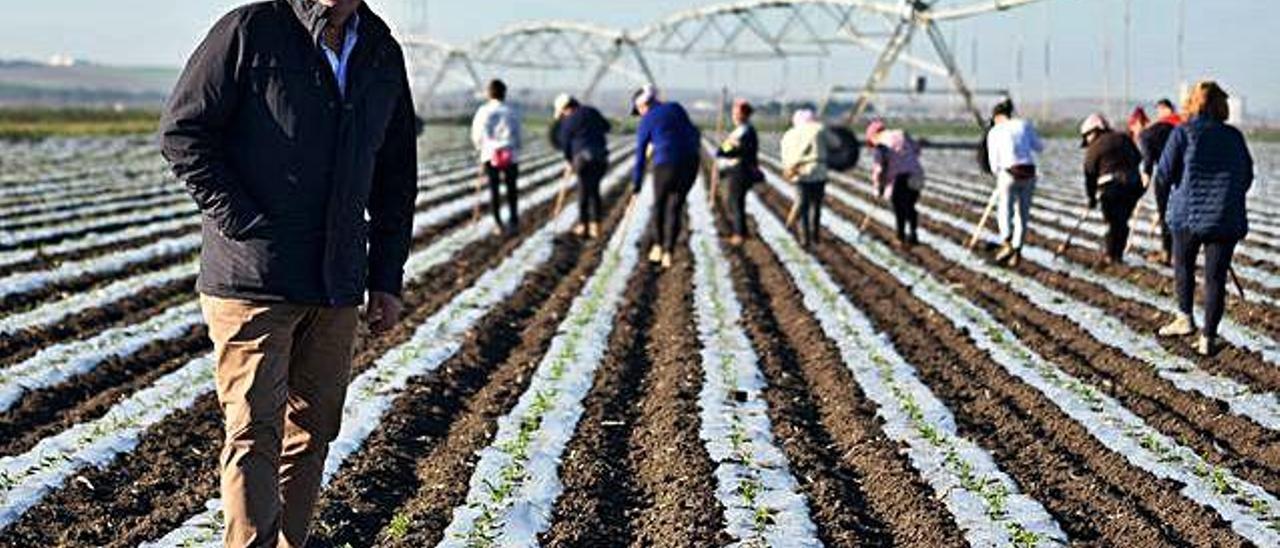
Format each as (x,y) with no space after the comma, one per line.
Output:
(19,302)
(1251,313)
(172,471)
(1097,497)
(415,470)
(61,399)
(1205,424)
(136,308)
(1239,364)
(861,488)
(636,472)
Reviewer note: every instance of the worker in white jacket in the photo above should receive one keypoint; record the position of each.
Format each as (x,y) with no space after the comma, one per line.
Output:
(804,162)
(495,132)
(1012,145)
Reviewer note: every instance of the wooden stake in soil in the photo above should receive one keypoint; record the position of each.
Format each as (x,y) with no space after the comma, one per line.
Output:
(986,214)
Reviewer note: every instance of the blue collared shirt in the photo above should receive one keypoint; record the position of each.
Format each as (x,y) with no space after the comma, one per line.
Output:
(338,62)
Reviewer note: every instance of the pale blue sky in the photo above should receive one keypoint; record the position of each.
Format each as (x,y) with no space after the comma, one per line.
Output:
(1233,40)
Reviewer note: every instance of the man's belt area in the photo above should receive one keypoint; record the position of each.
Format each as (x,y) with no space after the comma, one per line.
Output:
(1022,172)
(1110,178)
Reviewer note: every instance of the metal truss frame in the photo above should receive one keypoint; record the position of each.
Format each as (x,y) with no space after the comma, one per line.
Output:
(430,62)
(745,30)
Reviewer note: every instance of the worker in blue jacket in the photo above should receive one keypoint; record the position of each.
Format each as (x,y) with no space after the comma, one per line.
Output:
(1207,166)
(675,141)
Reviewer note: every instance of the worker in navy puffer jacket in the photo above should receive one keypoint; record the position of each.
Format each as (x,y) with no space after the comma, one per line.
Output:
(1208,167)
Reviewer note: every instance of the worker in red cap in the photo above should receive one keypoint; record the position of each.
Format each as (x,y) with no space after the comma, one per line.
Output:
(1138,122)
(898,176)
(1151,144)
(742,151)
(1111,180)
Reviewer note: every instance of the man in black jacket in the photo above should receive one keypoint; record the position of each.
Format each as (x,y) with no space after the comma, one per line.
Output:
(291,125)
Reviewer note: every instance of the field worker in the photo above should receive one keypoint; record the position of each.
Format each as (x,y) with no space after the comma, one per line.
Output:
(582,131)
(898,176)
(1111,179)
(742,149)
(1138,122)
(495,133)
(804,162)
(1012,145)
(676,156)
(1151,144)
(285,165)
(1207,166)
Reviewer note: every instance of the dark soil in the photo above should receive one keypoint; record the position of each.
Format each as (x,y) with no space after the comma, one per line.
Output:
(636,471)
(1043,450)
(418,471)
(1205,424)
(172,471)
(861,488)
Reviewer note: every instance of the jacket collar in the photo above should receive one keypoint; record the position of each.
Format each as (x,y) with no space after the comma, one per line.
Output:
(314,16)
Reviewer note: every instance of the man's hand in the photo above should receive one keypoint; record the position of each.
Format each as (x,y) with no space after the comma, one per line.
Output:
(568,170)
(1093,202)
(383,311)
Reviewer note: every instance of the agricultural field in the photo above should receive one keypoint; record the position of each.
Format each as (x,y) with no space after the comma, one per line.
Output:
(551,390)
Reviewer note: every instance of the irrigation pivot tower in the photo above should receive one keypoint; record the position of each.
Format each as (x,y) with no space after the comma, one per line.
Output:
(742,30)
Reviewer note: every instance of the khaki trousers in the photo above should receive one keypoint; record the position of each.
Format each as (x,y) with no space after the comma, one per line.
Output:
(282,372)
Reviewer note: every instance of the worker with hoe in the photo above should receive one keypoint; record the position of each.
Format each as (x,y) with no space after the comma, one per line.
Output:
(898,176)
(496,134)
(804,163)
(1151,143)
(1012,145)
(1208,169)
(742,151)
(293,128)
(676,155)
(1111,179)
(583,130)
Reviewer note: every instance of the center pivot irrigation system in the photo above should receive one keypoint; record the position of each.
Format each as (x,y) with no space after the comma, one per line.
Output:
(733,31)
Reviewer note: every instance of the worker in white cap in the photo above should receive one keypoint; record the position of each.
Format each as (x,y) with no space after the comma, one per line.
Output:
(582,133)
(1112,180)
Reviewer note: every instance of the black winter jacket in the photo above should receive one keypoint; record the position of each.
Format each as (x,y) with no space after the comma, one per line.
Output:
(1111,154)
(307,196)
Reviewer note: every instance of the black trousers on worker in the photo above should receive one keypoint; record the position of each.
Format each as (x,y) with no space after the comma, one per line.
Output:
(1118,201)
(503,177)
(1162,206)
(671,184)
(590,172)
(1217,263)
(811,195)
(904,200)
(739,183)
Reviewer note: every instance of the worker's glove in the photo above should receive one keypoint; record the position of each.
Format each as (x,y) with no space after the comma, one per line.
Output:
(1093,203)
